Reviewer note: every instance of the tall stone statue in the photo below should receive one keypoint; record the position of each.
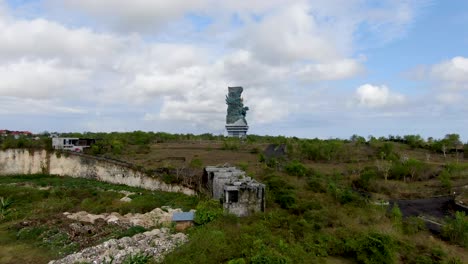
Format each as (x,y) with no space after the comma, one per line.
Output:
(236,124)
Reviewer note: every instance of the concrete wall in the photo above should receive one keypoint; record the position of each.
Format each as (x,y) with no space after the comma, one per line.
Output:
(22,161)
(250,200)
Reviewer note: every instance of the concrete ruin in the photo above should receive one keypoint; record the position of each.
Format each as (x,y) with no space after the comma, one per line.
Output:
(240,195)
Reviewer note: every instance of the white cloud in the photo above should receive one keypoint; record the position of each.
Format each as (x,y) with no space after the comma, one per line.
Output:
(454,71)
(337,70)
(447,80)
(39,79)
(42,107)
(173,77)
(136,15)
(373,96)
(289,35)
(450,98)
(268,110)
(40,38)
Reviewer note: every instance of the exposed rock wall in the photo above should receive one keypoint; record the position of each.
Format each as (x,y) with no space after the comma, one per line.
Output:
(23,161)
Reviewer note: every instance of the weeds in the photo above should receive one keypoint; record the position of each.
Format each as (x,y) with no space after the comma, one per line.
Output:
(5,207)
(456,230)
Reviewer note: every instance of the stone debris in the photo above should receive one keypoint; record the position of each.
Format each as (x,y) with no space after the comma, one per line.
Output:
(126,199)
(157,217)
(155,243)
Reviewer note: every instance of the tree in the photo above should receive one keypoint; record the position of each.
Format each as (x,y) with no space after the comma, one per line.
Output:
(384,167)
(414,167)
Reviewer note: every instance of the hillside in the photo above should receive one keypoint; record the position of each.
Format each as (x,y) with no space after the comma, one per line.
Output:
(325,198)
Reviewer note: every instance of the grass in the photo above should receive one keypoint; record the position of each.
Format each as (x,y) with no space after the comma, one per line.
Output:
(311,217)
(326,222)
(35,222)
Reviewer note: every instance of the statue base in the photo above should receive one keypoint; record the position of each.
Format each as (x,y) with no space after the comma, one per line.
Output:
(239,131)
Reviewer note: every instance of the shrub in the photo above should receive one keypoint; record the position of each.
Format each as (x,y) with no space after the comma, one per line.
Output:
(444,178)
(207,211)
(456,230)
(296,168)
(373,248)
(397,216)
(413,225)
(5,207)
(316,182)
(139,258)
(196,163)
(243,166)
(365,179)
(230,145)
(281,192)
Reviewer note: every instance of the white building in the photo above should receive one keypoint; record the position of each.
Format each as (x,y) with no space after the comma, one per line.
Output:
(72,144)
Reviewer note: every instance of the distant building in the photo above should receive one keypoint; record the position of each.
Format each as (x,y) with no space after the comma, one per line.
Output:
(72,144)
(183,220)
(239,194)
(15,134)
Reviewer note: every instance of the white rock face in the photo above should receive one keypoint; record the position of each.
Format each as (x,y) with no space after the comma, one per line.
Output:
(22,161)
(155,243)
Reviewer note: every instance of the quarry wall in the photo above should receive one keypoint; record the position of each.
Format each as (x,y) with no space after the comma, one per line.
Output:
(24,161)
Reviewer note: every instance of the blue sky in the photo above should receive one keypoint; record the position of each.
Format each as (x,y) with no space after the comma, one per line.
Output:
(309,68)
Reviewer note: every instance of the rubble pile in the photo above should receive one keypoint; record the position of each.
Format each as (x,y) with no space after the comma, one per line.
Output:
(157,217)
(155,243)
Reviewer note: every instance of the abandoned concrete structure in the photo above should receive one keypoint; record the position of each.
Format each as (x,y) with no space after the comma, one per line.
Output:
(72,144)
(239,194)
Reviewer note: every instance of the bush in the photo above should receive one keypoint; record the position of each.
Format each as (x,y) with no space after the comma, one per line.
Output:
(5,207)
(413,225)
(317,182)
(139,258)
(373,248)
(365,179)
(296,168)
(456,230)
(196,163)
(397,216)
(230,145)
(444,178)
(281,192)
(207,211)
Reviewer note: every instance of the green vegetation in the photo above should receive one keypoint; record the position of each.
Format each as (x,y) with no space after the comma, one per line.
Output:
(33,212)
(456,230)
(323,198)
(139,258)
(207,211)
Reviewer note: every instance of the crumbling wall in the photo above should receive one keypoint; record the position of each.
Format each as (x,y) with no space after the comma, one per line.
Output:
(217,177)
(240,195)
(249,201)
(23,161)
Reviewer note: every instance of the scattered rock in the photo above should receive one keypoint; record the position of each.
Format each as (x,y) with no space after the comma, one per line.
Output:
(126,199)
(157,217)
(155,243)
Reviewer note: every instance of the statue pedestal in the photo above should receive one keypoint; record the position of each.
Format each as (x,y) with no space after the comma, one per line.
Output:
(235,130)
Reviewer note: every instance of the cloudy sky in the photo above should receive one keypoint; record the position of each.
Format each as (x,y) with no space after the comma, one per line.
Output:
(330,68)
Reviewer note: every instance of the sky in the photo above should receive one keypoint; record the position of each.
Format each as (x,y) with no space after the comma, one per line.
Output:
(322,68)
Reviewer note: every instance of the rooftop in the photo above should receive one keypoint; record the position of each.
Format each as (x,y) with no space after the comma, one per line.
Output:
(183,216)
